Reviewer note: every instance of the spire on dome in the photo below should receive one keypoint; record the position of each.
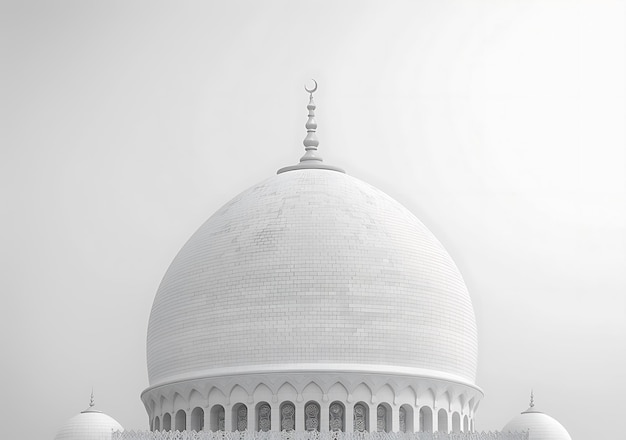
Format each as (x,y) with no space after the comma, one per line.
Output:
(91,404)
(310,141)
(310,160)
(531,407)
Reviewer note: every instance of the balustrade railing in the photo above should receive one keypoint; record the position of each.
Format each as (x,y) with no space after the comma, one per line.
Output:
(314,435)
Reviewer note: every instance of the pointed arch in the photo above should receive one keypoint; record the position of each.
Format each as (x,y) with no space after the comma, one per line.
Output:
(238,394)
(313,391)
(362,392)
(262,393)
(385,394)
(287,392)
(338,391)
(196,398)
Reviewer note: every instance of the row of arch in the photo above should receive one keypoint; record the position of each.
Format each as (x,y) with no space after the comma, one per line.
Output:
(362,419)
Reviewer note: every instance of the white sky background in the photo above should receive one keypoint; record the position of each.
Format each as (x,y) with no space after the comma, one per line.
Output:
(500,124)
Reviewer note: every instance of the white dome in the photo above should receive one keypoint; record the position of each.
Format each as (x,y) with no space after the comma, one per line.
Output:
(312,267)
(89,425)
(540,426)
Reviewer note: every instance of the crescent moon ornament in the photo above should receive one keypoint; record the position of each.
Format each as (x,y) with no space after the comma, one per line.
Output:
(313,89)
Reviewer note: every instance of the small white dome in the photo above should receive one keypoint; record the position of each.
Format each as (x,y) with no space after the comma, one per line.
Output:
(540,426)
(89,425)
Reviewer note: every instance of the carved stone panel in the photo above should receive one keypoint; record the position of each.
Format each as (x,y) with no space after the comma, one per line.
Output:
(312,417)
(402,419)
(221,420)
(336,417)
(381,418)
(360,418)
(242,418)
(287,417)
(264,417)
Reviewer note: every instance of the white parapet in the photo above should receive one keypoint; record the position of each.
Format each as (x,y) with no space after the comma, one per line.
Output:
(315,435)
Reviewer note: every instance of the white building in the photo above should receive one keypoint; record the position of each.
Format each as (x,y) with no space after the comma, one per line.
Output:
(315,302)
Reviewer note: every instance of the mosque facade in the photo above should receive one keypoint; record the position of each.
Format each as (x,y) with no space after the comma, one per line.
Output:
(314,303)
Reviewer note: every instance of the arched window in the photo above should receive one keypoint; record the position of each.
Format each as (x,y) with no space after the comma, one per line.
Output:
(406,418)
(442,421)
(197,419)
(167,422)
(157,424)
(181,421)
(240,417)
(263,417)
(287,417)
(426,419)
(218,418)
(312,416)
(360,417)
(456,422)
(383,418)
(336,416)
(465,424)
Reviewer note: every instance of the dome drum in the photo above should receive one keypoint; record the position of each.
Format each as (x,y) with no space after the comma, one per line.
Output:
(312,400)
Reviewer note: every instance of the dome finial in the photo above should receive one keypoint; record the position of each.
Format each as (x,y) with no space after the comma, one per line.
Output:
(310,141)
(91,400)
(310,160)
(532,399)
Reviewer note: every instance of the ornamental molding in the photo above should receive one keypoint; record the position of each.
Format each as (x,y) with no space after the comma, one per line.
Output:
(426,390)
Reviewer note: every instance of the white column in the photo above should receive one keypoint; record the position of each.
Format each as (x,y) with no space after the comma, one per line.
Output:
(395,418)
(435,417)
(252,417)
(188,420)
(299,416)
(324,416)
(349,418)
(416,419)
(228,417)
(207,418)
(372,418)
(275,415)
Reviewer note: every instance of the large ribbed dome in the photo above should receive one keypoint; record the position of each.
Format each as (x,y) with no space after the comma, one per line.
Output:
(311,267)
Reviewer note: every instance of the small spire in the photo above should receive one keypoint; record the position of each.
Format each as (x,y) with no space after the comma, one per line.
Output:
(310,160)
(310,141)
(92,403)
(532,399)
